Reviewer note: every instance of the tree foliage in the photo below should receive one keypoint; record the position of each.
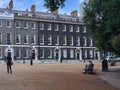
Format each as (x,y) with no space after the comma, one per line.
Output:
(53,5)
(116,43)
(102,20)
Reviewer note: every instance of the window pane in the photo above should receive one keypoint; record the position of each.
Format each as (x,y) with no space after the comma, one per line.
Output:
(0,38)
(33,25)
(41,39)
(71,53)
(49,27)
(64,40)
(42,53)
(71,40)
(49,40)
(0,53)
(56,27)
(17,53)
(18,39)
(8,38)
(25,25)
(17,24)
(49,53)
(41,26)
(0,23)
(8,23)
(25,38)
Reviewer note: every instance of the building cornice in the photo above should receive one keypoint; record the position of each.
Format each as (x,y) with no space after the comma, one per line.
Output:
(47,20)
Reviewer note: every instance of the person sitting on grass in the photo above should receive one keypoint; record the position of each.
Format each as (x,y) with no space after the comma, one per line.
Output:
(88,68)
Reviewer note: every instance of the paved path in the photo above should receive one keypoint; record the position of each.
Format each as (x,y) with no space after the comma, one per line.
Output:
(112,76)
(50,77)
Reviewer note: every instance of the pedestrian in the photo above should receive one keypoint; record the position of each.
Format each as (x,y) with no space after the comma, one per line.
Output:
(9,63)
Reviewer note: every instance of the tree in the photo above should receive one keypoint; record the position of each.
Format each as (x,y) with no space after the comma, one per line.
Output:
(116,43)
(53,5)
(102,21)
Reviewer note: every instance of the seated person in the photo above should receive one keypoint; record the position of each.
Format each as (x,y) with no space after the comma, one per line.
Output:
(88,68)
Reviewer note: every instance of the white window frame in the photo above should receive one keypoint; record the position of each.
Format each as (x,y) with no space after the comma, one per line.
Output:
(42,53)
(33,25)
(49,40)
(33,39)
(84,29)
(26,39)
(0,22)
(9,23)
(91,53)
(64,40)
(0,38)
(71,53)
(71,28)
(26,51)
(41,39)
(64,27)
(57,40)
(56,27)
(50,53)
(9,38)
(65,53)
(78,40)
(71,40)
(25,25)
(85,53)
(18,24)
(19,53)
(41,26)
(77,29)
(0,53)
(18,39)
(91,41)
(49,26)
(85,41)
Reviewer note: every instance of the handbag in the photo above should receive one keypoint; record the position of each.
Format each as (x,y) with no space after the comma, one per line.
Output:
(11,62)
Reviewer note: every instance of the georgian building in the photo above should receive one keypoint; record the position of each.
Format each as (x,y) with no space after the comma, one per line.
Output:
(43,35)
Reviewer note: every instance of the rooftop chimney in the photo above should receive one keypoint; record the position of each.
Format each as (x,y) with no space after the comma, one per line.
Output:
(33,8)
(55,12)
(74,13)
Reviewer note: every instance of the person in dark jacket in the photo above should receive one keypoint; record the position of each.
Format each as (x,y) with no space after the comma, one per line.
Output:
(9,63)
(88,68)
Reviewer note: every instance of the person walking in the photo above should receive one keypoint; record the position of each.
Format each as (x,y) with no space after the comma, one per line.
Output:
(9,63)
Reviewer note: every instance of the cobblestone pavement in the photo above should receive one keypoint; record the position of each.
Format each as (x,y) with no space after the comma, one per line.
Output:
(66,76)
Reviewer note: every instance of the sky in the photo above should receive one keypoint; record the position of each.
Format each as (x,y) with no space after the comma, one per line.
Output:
(70,5)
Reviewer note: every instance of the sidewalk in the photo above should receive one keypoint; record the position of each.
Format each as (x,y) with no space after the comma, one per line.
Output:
(112,76)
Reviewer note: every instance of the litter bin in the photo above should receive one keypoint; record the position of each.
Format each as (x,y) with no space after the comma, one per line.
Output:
(104,65)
